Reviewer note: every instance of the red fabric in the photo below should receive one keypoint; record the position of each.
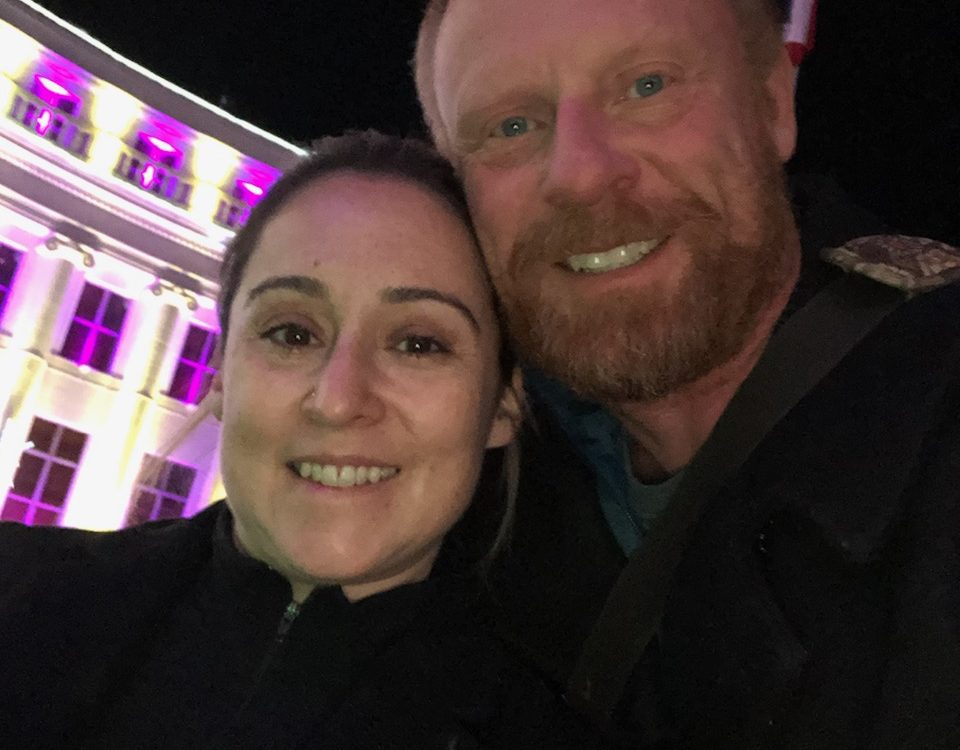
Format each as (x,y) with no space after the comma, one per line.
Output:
(800,32)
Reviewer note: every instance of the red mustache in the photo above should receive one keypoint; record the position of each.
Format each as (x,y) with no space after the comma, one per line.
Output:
(579,230)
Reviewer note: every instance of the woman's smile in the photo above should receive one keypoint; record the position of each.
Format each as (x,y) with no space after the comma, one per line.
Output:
(341,474)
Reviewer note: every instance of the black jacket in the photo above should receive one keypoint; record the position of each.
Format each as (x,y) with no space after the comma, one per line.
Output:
(164,636)
(818,604)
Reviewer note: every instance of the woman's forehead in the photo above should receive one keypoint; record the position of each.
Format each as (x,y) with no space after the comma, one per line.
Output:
(377,227)
(356,205)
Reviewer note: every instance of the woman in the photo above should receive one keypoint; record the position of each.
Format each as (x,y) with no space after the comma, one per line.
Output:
(364,382)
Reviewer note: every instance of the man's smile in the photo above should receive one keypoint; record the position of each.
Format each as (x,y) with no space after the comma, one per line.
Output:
(615,259)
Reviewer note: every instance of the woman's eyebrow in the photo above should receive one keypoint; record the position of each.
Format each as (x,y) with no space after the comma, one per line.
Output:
(400,294)
(302,284)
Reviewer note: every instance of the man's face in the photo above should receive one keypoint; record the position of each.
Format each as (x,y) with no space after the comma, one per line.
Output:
(623,164)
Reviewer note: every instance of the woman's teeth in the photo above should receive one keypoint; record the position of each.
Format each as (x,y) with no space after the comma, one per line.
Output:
(611,260)
(343,476)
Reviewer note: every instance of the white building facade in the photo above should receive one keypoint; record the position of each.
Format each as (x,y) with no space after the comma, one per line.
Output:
(118,193)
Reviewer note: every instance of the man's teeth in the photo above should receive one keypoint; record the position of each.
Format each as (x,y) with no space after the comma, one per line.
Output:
(344,476)
(619,257)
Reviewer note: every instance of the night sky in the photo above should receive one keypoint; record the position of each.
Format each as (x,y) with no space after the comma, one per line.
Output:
(879,100)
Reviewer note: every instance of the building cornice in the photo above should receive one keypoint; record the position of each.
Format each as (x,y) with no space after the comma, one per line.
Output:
(102,62)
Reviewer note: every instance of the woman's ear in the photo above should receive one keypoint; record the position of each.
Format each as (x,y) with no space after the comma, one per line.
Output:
(509,414)
(214,398)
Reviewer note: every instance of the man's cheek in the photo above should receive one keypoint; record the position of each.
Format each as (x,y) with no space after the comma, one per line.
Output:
(498,192)
(495,234)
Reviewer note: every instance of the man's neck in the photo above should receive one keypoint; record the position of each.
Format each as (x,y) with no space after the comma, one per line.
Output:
(668,432)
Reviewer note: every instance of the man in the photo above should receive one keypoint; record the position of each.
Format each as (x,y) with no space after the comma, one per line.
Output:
(623,159)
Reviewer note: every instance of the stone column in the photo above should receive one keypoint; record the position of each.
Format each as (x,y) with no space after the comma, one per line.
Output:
(117,449)
(33,310)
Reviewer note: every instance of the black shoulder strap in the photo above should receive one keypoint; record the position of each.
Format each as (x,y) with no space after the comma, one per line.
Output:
(807,347)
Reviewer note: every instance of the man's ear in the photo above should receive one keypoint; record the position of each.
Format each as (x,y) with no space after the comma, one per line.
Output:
(780,86)
(509,414)
(215,396)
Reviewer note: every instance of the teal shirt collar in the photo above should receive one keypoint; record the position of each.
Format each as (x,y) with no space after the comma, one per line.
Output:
(629,506)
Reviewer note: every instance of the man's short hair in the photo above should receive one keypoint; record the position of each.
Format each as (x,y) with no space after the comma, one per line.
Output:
(762,21)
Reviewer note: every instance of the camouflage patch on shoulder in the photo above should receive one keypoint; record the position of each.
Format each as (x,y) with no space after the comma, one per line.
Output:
(913,264)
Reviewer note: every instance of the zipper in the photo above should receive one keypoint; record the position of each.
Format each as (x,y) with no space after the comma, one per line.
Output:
(286,622)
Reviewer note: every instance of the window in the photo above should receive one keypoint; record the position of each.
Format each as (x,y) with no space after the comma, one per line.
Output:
(95,331)
(191,379)
(50,111)
(9,260)
(162,491)
(43,479)
(231,215)
(154,176)
(234,213)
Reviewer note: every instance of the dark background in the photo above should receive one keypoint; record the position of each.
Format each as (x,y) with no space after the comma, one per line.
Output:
(879,99)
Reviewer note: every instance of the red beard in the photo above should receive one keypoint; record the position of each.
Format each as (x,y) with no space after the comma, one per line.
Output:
(632,346)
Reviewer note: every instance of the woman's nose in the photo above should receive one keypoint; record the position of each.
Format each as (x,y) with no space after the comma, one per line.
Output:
(343,391)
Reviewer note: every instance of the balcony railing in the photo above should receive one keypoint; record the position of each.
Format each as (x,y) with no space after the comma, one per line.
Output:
(51,124)
(152,176)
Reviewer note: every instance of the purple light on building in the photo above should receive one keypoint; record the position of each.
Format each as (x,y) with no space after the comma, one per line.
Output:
(55,94)
(161,145)
(169,130)
(65,69)
(249,192)
(159,149)
(147,176)
(43,121)
(52,87)
(194,372)
(197,389)
(94,333)
(86,354)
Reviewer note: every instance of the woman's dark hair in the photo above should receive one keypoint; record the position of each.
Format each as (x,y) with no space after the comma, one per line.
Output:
(416,162)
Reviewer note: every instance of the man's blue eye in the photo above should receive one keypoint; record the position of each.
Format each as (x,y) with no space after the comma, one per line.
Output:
(512,127)
(646,86)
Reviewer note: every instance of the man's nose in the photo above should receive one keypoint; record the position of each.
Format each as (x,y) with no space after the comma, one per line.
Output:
(586,159)
(343,392)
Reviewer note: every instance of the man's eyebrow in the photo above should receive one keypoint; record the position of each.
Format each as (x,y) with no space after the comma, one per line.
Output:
(302,284)
(400,294)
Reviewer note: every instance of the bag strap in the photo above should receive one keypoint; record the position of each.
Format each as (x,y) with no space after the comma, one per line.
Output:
(798,356)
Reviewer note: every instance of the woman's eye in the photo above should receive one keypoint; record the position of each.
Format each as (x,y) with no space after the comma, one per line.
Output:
(512,127)
(291,336)
(646,86)
(421,346)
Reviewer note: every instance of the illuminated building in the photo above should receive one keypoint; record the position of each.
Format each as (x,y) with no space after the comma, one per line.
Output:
(118,192)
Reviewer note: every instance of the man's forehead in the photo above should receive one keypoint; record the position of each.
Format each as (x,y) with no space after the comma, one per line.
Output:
(482,22)
(503,43)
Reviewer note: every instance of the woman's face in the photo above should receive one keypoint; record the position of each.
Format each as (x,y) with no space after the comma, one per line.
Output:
(359,387)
